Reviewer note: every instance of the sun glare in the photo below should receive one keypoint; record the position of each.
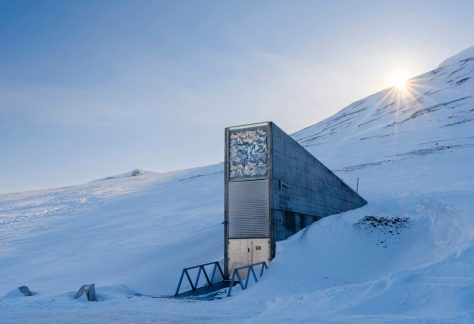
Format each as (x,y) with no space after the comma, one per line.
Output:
(401,83)
(399,80)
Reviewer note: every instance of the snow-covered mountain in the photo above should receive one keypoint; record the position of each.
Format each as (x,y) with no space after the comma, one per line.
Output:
(405,257)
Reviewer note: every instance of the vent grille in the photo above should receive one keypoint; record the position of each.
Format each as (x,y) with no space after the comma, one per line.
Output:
(249,209)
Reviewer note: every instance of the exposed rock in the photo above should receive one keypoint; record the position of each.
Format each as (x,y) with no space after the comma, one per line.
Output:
(25,291)
(380,221)
(384,230)
(136,173)
(88,290)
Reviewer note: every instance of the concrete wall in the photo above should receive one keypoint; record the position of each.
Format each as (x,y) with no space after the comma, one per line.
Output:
(303,189)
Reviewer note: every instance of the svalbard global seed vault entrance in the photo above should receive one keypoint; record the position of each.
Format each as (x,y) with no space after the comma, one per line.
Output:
(273,188)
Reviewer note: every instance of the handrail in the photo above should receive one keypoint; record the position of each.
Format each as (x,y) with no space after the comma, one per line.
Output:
(250,269)
(202,268)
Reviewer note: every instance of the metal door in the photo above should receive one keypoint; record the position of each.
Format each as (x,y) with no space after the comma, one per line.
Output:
(243,252)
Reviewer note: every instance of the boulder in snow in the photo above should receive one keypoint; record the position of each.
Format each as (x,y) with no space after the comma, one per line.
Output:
(88,291)
(25,291)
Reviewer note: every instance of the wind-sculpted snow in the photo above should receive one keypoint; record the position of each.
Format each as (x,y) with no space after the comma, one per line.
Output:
(405,257)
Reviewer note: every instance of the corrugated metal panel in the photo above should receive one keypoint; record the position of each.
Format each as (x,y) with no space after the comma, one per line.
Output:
(249,209)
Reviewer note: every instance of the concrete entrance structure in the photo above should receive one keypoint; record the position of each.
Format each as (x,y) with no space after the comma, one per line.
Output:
(273,188)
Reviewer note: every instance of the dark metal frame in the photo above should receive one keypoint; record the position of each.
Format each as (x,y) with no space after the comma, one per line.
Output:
(250,269)
(226,204)
(202,268)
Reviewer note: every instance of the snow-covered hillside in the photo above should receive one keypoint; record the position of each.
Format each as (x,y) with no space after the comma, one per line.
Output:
(408,256)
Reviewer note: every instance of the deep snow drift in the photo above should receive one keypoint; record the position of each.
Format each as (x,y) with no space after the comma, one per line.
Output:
(407,256)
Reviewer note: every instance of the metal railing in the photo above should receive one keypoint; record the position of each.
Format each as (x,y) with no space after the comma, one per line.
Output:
(250,270)
(202,269)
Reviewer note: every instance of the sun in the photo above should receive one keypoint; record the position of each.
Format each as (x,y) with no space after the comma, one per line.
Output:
(399,80)
(400,83)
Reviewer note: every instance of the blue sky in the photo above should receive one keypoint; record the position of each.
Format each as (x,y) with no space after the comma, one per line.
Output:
(94,88)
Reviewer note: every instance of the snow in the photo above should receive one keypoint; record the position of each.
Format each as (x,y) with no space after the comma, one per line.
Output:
(466,54)
(413,154)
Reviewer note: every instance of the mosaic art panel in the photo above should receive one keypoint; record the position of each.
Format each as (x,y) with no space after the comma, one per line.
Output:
(248,153)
